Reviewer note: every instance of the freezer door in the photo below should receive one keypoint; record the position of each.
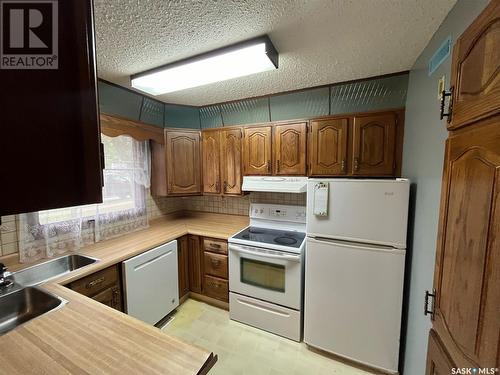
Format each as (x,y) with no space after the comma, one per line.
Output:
(353,298)
(151,283)
(371,211)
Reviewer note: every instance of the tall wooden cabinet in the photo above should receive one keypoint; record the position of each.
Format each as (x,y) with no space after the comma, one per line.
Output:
(466,321)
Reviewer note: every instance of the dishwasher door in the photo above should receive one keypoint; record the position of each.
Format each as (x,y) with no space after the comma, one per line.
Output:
(151,284)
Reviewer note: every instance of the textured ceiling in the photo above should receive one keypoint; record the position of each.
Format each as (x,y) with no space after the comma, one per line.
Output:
(319,41)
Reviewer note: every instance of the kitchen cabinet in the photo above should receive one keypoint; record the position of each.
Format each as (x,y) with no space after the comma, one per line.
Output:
(231,174)
(328,147)
(50,141)
(211,161)
(257,150)
(175,164)
(374,145)
(183,264)
(195,265)
(103,286)
(183,162)
(289,149)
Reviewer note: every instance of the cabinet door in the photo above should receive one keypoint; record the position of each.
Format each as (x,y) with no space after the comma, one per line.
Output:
(467,276)
(290,149)
(231,161)
(111,297)
(183,162)
(374,145)
(438,361)
(328,147)
(475,67)
(183,262)
(211,161)
(257,157)
(195,264)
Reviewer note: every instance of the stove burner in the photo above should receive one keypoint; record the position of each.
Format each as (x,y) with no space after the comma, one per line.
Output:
(287,241)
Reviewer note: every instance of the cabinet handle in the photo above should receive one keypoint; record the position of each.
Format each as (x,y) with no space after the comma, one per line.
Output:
(342,165)
(94,282)
(217,186)
(225,186)
(277,166)
(215,262)
(269,166)
(356,164)
(215,245)
(115,298)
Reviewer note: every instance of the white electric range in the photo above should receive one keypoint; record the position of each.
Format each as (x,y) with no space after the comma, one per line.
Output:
(266,263)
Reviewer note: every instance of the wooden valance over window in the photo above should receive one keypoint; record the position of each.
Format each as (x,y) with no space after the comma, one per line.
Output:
(114,126)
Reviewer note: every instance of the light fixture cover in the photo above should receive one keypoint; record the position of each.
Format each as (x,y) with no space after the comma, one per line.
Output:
(238,60)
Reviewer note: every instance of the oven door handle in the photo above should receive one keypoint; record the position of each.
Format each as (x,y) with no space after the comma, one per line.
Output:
(240,249)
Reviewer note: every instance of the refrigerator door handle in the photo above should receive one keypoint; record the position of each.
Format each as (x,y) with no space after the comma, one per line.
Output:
(356,245)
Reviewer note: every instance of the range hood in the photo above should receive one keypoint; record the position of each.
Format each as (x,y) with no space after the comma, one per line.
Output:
(278,184)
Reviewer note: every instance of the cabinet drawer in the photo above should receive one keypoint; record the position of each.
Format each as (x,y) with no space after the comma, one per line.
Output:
(97,282)
(216,288)
(216,265)
(111,297)
(215,246)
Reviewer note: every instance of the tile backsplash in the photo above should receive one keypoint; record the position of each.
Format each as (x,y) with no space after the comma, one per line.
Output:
(157,207)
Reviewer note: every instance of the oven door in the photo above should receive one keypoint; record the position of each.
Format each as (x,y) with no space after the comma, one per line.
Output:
(269,275)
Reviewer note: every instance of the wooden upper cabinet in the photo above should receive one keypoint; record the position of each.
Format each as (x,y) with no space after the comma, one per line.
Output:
(257,150)
(328,147)
(211,161)
(467,277)
(374,145)
(475,67)
(290,149)
(183,162)
(231,160)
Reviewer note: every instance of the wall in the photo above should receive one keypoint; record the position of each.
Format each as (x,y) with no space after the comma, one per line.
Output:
(423,155)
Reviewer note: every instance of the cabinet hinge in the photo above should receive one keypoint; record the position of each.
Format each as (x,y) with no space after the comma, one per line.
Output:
(428,296)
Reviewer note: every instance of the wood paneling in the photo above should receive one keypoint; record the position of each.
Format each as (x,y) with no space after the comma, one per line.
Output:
(374,145)
(289,146)
(183,162)
(231,162)
(467,272)
(183,264)
(257,150)
(211,161)
(114,126)
(328,147)
(475,67)
(158,169)
(50,142)
(195,264)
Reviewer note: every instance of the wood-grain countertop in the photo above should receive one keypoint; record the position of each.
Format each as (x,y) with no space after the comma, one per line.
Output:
(86,337)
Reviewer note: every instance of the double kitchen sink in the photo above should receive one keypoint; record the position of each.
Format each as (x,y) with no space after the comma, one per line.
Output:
(20,298)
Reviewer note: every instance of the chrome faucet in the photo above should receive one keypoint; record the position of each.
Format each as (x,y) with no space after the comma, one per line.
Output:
(5,277)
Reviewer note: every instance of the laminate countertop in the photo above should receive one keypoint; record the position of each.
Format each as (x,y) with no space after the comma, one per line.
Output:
(86,337)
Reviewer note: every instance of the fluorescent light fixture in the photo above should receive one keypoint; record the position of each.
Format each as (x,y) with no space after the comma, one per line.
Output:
(238,60)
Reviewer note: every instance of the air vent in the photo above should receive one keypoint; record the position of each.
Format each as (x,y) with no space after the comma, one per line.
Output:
(440,55)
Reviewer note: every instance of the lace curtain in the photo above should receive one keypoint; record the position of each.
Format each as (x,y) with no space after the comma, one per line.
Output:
(127,175)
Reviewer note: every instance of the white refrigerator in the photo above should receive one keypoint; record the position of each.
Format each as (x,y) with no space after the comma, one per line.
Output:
(355,258)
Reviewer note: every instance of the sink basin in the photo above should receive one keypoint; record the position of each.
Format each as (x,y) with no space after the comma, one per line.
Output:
(53,268)
(23,304)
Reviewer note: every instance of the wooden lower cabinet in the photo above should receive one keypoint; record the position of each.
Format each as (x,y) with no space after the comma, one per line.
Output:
(195,265)
(103,286)
(183,265)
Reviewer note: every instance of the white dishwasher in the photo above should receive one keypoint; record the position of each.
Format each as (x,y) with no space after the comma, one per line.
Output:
(151,283)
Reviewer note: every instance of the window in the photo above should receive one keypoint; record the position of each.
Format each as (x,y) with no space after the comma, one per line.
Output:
(126,175)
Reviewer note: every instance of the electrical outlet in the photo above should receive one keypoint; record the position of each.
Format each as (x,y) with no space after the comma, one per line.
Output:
(441,83)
